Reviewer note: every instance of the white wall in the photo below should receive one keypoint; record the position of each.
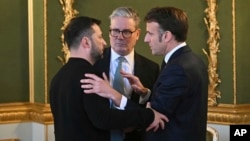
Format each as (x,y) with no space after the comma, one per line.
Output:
(29,131)
(223,130)
(50,134)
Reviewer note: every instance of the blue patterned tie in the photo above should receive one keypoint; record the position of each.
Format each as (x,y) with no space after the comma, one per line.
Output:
(118,84)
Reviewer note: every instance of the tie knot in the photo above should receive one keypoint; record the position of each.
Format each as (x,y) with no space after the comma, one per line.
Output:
(121,59)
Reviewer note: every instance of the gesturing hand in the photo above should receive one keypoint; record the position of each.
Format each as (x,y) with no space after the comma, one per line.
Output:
(135,83)
(159,120)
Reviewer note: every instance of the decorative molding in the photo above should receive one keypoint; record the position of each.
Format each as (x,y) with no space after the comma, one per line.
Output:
(234,51)
(229,114)
(213,45)
(25,112)
(45,24)
(31,50)
(41,113)
(69,13)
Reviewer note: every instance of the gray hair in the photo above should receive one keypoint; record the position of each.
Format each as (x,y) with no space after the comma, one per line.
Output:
(127,12)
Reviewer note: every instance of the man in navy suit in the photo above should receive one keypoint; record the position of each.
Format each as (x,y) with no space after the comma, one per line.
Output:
(123,34)
(181,90)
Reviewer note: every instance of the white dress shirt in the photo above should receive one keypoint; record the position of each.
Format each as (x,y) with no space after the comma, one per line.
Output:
(127,66)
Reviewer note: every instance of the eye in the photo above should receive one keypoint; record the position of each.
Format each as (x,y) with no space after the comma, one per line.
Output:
(115,30)
(151,33)
(126,32)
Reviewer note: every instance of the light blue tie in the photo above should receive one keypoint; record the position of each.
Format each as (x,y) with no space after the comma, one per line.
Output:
(118,84)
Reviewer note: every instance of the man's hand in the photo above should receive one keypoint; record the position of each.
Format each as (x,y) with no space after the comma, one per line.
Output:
(96,85)
(159,120)
(135,83)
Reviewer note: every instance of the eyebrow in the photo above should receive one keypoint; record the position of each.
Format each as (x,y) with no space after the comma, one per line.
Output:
(123,29)
(149,32)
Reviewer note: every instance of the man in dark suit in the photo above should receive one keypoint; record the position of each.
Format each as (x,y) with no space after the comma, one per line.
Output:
(82,117)
(124,33)
(181,90)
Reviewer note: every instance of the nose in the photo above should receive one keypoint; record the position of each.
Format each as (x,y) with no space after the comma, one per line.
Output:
(146,40)
(120,36)
(104,42)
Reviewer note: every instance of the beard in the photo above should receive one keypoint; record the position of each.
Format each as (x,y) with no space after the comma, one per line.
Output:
(96,53)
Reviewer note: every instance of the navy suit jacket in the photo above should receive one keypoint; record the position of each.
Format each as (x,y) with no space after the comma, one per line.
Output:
(146,70)
(181,94)
(87,117)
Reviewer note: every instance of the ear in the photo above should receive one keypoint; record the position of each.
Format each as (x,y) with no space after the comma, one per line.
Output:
(85,42)
(138,32)
(167,36)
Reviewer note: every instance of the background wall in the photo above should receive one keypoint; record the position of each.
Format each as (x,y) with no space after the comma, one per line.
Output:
(48,18)
(14,76)
(197,37)
(102,10)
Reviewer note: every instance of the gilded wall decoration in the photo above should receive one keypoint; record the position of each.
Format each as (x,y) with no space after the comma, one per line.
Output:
(226,114)
(69,12)
(25,112)
(213,45)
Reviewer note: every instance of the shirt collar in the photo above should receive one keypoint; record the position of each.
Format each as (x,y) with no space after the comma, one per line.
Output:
(129,57)
(169,54)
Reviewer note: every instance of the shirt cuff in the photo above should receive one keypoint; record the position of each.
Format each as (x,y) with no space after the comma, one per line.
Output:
(123,103)
(144,99)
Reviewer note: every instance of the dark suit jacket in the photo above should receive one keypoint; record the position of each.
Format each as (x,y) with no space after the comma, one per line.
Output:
(87,117)
(181,94)
(146,70)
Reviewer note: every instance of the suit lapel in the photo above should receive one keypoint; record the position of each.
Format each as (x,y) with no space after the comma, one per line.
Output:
(106,60)
(137,72)
(138,65)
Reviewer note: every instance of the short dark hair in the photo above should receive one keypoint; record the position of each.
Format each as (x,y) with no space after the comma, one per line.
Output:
(77,28)
(170,19)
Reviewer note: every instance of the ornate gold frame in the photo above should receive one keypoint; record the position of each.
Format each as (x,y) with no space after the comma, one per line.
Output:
(226,114)
(213,45)
(69,12)
(229,114)
(25,112)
